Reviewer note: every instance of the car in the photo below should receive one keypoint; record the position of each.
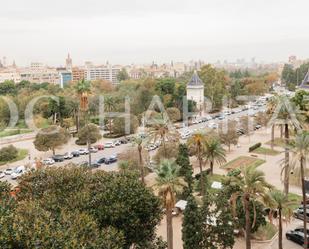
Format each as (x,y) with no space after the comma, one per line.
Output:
(101,160)
(58,158)
(109,145)
(221,117)
(123,141)
(8,171)
(2,174)
(95,165)
(110,160)
(99,146)
(299,213)
(48,161)
(151,147)
(68,156)
(75,153)
(117,143)
(213,125)
(83,151)
(296,236)
(257,127)
(18,171)
(93,150)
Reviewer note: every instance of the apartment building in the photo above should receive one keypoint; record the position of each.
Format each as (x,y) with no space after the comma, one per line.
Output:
(104,72)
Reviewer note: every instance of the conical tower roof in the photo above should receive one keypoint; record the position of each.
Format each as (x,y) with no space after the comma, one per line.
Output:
(195,80)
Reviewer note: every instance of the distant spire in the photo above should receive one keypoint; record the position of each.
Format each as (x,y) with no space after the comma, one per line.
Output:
(14,64)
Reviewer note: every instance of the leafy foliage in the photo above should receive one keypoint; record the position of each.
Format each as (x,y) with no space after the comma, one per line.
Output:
(8,153)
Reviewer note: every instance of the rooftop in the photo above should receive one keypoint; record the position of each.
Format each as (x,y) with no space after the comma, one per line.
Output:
(195,80)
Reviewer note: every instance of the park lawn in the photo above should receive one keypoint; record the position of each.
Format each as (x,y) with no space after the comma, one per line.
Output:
(12,132)
(266,232)
(243,161)
(266,151)
(22,153)
(280,142)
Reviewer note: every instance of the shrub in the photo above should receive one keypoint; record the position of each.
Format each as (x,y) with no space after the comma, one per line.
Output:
(8,153)
(254,147)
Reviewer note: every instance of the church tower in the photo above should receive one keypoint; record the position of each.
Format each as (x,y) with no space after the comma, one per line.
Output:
(68,63)
(195,92)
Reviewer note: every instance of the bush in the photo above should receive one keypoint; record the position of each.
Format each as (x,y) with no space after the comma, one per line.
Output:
(254,147)
(8,153)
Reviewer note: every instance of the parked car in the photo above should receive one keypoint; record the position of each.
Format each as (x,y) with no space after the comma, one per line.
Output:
(213,126)
(299,213)
(93,150)
(8,171)
(110,160)
(83,151)
(296,236)
(151,147)
(99,146)
(18,171)
(257,127)
(68,156)
(58,158)
(75,153)
(109,145)
(117,143)
(2,174)
(101,160)
(48,161)
(95,165)
(124,141)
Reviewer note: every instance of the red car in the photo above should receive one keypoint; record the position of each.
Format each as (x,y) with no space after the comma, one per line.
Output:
(99,146)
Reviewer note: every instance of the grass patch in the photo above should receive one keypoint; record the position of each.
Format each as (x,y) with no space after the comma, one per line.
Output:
(22,153)
(266,151)
(243,161)
(295,199)
(8,133)
(266,232)
(279,142)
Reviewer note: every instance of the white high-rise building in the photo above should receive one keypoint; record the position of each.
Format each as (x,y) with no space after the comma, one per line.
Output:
(105,72)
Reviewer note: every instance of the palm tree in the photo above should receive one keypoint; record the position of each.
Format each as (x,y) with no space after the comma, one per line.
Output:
(110,103)
(253,188)
(287,115)
(168,184)
(280,203)
(163,133)
(300,153)
(271,106)
(83,88)
(196,145)
(214,152)
(139,142)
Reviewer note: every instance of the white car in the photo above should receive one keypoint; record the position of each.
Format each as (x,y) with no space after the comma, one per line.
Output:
(48,161)
(83,151)
(18,172)
(68,156)
(93,150)
(213,126)
(8,171)
(117,143)
(109,145)
(151,147)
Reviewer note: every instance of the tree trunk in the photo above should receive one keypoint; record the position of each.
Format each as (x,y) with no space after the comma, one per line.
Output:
(286,160)
(89,154)
(302,172)
(211,167)
(272,136)
(280,229)
(248,225)
(110,126)
(201,172)
(169,228)
(54,151)
(77,120)
(281,131)
(141,163)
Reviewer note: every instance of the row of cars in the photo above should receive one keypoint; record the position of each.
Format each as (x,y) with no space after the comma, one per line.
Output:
(14,173)
(83,151)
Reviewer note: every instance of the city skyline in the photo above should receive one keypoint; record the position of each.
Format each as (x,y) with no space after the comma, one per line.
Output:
(139,32)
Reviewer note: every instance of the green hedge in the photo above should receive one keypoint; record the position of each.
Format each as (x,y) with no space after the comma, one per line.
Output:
(254,147)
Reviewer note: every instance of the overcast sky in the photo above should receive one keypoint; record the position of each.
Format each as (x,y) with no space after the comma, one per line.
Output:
(141,31)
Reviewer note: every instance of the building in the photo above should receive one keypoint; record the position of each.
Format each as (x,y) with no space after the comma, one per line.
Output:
(104,72)
(195,92)
(78,74)
(65,77)
(38,74)
(68,63)
(10,75)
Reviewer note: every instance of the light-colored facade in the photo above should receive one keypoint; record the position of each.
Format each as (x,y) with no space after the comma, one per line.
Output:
(104,72)
(195,92)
